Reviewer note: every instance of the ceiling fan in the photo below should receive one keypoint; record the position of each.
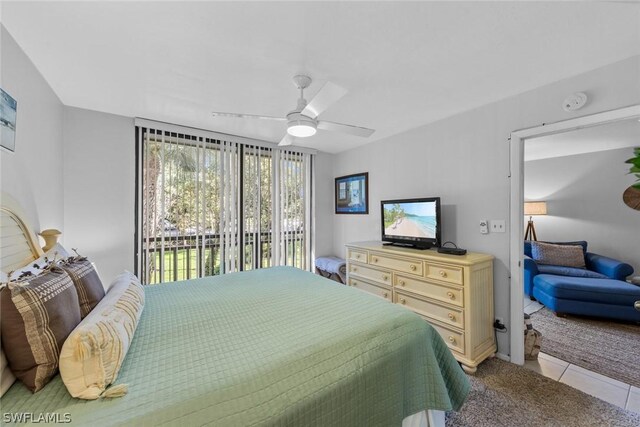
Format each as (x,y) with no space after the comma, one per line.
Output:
(303,121)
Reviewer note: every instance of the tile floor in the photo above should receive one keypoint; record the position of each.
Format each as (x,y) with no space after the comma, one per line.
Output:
(597,385)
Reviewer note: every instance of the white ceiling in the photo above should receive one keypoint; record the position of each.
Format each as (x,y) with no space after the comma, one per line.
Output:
(404,64)
(611,136)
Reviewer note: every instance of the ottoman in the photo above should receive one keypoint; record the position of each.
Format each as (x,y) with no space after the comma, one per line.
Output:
(613,299)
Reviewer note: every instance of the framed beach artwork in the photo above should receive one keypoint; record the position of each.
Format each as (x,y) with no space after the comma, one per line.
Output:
(8,112)
(352,194)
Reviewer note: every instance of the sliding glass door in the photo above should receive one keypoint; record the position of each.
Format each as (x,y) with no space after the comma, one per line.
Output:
(209,206)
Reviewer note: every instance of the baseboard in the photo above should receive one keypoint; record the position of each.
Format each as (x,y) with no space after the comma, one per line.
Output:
(504,357)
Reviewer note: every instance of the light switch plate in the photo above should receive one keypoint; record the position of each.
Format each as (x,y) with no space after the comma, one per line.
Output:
(498,226)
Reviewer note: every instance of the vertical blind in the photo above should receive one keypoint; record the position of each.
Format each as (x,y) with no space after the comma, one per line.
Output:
(209,204)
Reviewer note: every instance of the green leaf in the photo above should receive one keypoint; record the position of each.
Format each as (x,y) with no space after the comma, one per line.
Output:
(636,185)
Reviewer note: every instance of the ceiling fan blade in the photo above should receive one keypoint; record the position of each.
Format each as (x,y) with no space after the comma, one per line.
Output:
(247,116)
(351,130)
(329,94)
(286,140)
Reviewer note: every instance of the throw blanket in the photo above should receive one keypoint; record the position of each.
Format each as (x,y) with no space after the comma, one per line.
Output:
(332,264)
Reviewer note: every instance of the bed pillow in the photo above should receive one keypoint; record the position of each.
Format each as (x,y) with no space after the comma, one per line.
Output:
(563,255)
(87,283)
(57,253)
(93,354)
(6,376)
(36,316)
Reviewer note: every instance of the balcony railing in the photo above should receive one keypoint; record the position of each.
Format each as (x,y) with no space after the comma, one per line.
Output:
(182,252)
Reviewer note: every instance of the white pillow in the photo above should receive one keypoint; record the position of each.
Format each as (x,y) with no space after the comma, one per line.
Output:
(58,252)
(93,353)
(6,376)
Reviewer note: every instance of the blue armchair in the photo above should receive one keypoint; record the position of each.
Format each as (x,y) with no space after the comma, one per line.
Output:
(598,290)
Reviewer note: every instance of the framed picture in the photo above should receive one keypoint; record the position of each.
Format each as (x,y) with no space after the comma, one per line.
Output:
(352,194)
(8,112)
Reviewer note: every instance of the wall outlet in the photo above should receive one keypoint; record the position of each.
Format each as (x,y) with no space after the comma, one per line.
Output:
(484,226)
(498,226)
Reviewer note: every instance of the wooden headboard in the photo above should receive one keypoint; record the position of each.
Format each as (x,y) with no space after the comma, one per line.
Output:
(18,244)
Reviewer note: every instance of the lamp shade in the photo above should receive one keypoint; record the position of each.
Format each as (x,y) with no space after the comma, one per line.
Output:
(535,208)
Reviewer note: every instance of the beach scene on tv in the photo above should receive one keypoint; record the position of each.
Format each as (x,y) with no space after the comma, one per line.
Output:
(410,219)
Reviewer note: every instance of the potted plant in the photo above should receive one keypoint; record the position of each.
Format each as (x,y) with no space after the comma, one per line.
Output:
(631,196)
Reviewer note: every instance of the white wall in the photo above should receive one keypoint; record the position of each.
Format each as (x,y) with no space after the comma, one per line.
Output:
(33,173)
(465,160)
(99,182)
(584,202)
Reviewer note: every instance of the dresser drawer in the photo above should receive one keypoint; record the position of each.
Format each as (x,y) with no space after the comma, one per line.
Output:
(382,276)
(399,264)
(453,338)
(446,315)
(449,294)
(371,288)
(356,255)
(445,273)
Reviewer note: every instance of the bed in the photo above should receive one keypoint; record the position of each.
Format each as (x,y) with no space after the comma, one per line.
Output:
(278,346)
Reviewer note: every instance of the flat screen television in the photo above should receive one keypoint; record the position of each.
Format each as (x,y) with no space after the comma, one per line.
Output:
(412,222)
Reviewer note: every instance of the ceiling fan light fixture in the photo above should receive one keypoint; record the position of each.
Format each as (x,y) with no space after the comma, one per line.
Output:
(301,126)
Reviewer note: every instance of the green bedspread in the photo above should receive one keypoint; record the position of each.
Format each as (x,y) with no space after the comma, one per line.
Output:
(278,346)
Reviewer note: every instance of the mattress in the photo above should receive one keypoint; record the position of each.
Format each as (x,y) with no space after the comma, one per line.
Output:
(276,346)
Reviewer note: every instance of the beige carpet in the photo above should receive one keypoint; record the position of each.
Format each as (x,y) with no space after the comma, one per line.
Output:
(606,347)
(506,395)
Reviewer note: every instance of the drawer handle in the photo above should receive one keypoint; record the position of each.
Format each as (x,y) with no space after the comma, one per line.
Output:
(401,282)
(403,301)
(452,317)
(443,273)
(413,267)
(384,294)
(452,340)
(385,277)
(375,259)
(357,255)
(353,269)
(451,295)
(355,283)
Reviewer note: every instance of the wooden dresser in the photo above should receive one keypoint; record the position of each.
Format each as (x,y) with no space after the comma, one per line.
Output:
(453,293)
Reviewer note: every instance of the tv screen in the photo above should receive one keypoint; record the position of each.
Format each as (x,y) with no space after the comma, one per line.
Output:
(413,222)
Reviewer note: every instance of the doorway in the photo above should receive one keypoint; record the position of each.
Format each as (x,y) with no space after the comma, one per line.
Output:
(518,139)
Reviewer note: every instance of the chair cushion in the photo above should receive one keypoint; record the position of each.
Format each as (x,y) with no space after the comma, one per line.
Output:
(564,255)
(560,270)
(606,291)
(527,245)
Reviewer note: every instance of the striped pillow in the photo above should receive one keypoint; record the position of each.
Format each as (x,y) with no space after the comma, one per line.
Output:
(93,354)
(87,283)
(37,314)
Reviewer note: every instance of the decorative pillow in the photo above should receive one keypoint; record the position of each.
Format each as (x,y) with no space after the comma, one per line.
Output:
(93,354)
(87,283)
(564,255)
(58,252)
(37,314)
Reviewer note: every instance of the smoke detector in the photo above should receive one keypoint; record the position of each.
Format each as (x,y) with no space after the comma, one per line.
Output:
(574,102)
